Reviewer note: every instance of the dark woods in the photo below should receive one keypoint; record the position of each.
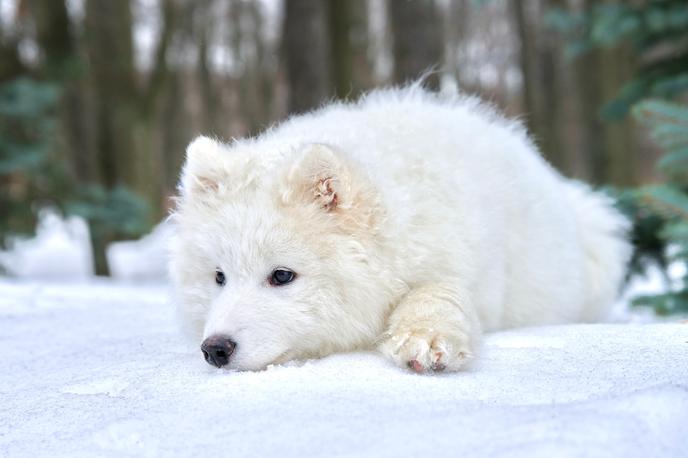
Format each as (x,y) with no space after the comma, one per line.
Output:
(99,98)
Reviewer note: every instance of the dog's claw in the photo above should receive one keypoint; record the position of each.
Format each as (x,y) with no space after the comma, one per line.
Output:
(438,367)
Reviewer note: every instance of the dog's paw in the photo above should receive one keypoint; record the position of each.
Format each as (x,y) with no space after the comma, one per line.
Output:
(426,350)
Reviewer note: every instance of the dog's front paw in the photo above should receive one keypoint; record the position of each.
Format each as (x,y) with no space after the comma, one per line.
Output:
(425,350)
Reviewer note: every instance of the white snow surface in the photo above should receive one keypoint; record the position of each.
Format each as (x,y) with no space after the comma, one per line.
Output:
(100,369)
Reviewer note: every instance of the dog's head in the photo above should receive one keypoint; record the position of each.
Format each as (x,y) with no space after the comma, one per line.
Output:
(278,256)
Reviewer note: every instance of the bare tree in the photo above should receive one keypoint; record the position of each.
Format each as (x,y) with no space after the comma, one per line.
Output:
(351,69)
(108,27)
(609,147)
(10,64)
(540,54)
(125,104)
(417,35)
(62,62)
(306,42)
(455,22)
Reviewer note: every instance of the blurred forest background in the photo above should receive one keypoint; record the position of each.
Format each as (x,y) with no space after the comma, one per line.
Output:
(98,98)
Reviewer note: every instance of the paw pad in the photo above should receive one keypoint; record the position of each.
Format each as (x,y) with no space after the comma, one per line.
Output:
(415,366)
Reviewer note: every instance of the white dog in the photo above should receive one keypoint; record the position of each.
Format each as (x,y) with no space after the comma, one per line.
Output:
(406,222)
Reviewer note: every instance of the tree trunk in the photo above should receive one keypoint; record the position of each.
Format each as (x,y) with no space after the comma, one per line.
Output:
(417,36)
(203,29)
(108,27)
(125,113)
(607,145)
(10,64)
(255,96)
(307,52)
(63,63)
(541,67)
(108,38)
(455,27)
(53,36)
(351,70)
(592,128)
(619,141)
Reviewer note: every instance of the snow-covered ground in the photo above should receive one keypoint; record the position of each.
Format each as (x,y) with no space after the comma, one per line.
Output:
(99,369)
(93,367)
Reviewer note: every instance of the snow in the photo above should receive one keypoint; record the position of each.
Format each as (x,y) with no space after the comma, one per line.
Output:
(61,249)
(99,369)
(143,260)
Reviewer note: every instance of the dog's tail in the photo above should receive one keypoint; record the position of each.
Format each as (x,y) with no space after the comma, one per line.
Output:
(603,232)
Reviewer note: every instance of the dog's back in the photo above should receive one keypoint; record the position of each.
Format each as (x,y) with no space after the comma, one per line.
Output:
(472,196)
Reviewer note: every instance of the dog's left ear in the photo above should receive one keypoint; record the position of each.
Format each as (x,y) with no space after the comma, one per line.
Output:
(321,176)
(327,178)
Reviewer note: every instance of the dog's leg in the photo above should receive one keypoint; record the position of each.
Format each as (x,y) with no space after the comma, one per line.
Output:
(434,327)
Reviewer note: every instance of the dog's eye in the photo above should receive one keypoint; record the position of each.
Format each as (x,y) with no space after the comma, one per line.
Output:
(220,278)
(281,277)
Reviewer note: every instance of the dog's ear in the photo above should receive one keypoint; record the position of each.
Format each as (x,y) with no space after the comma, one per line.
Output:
(327,178)
(206,167)
(319,175)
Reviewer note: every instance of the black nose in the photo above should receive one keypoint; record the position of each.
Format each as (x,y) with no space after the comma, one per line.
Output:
(217,350)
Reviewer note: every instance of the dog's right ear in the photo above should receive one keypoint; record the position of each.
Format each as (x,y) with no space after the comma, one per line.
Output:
(206,168)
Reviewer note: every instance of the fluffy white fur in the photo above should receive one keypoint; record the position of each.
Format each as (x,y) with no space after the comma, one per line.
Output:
(414,223)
